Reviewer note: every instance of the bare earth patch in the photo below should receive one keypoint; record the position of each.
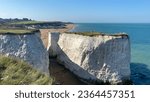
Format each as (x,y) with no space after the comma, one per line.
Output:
(61,75)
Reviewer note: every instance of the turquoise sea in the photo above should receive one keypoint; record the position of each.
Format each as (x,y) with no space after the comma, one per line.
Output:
(139,34)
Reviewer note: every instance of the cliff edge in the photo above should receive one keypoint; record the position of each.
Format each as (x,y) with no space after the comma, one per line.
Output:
(27,46)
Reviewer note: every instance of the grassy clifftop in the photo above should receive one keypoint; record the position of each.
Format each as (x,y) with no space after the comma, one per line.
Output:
(92,34)
(86,33)
(28,22)
(17,31)
(15,72)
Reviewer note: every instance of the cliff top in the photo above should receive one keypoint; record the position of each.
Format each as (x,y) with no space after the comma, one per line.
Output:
(17,31)
(92,34)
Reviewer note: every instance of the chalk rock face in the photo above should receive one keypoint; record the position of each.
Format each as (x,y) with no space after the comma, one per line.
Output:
(52,44)
(102,58)
(27,47)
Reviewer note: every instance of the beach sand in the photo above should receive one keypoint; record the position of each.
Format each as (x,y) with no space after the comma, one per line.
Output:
(44,32)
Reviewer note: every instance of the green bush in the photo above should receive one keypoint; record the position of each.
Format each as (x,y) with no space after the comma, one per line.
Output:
(16,72)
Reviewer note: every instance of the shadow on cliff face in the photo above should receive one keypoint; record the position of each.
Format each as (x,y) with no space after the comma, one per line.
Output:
(140,74)
(57,69)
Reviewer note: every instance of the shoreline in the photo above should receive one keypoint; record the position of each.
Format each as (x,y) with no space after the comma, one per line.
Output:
(70,27)
(61,30)
(44,32)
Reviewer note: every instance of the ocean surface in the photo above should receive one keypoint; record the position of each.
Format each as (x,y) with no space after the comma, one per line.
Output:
(139,34)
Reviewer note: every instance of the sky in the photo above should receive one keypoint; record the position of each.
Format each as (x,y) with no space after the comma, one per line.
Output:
(84,11)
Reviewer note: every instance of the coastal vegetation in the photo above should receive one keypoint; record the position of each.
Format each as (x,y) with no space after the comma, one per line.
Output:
(28,22)
(16,72)
(86,33)
(16,31)
(91,34)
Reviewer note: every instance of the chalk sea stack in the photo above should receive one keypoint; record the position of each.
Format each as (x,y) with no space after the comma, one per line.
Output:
(94,59)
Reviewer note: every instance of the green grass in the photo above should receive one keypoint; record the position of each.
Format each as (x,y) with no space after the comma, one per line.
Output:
(16,72)
(86,33)
(15,31)
(96,34)
(28,22)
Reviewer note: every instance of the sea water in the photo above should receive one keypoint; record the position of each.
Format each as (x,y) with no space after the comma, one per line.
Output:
(139,34)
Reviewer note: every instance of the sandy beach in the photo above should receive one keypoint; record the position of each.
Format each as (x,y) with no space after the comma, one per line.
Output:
(44,32)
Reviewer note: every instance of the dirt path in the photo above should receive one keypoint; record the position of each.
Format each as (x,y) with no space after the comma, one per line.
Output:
(61,75)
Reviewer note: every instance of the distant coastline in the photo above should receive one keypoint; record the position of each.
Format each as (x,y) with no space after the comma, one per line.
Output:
(68,27)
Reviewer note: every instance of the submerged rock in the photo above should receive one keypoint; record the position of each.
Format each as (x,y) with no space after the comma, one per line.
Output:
(101,58)
(27,47)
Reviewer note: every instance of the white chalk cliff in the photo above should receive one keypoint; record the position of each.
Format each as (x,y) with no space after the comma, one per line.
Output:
(27,47)
(102,58)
